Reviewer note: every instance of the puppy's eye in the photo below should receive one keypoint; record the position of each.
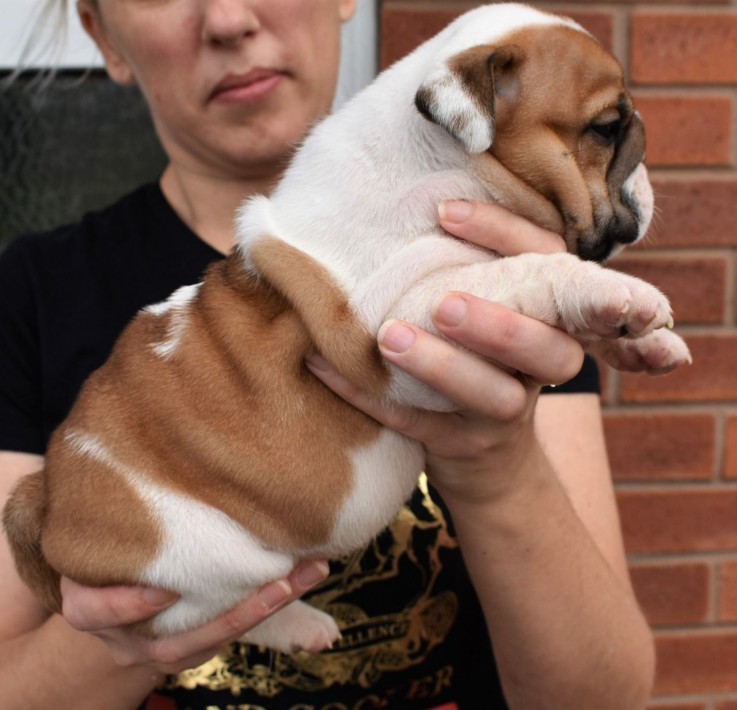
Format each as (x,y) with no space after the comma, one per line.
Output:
(606,133)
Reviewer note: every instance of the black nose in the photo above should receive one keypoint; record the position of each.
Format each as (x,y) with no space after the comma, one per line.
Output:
(621,229)
(597,250)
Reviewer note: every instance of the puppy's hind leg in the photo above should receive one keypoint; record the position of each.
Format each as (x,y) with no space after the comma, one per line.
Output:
(23,518)
(296,627)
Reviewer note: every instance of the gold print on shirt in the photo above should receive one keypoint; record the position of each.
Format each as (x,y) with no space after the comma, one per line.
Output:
(400,637)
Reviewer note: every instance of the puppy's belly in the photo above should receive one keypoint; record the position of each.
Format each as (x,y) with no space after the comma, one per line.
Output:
(213,562)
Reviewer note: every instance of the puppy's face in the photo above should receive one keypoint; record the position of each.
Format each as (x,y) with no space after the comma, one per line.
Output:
(549,104)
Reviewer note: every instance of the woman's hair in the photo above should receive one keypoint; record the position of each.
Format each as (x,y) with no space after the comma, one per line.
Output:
(46,37)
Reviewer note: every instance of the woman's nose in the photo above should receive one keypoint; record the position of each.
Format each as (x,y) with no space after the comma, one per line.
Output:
(227,22)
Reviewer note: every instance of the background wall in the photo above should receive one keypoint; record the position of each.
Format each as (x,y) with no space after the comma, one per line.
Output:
(672,440)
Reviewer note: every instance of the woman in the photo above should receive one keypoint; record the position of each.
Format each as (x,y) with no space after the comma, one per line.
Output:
(232,86)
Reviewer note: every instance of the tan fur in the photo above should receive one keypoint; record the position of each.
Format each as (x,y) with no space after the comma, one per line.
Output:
(191,421)
(208,417)
(325,312)
(23,518)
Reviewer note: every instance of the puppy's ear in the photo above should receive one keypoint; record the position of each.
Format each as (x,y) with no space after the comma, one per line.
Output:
(460,95)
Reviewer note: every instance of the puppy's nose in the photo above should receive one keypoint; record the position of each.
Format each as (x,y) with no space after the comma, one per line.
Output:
(595,249)
(621,231)
(617,232)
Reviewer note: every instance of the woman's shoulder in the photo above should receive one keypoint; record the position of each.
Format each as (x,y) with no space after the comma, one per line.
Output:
(116,223)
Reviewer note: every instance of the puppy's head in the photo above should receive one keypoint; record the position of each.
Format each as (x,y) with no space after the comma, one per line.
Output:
(544,112)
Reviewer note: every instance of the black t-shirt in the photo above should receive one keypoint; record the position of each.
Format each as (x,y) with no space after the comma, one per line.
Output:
(413,633)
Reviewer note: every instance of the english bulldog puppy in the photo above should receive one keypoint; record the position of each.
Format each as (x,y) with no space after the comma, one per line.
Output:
(204,457)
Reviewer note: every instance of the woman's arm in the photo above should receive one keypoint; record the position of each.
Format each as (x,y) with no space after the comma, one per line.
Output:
(531,499)
(48,663)
(528,485)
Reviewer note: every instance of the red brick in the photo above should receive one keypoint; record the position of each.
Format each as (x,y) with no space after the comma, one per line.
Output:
(726,705)
(404,28)
(660,447)
(683,48)
(600,24)
(696,663)
(687,130)
(730,448)
(672,706)
(679,520)
(673,594)
(728,591)
(695,285)
(711,377)
(697,213)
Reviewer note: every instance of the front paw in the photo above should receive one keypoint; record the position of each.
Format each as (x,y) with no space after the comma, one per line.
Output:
(656,353)
(607,304)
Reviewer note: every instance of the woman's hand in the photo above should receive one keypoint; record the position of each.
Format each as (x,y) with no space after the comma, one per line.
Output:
(106,612)
(497,229)
(495,382)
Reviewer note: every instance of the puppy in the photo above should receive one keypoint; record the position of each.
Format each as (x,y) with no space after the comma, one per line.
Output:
(204,458)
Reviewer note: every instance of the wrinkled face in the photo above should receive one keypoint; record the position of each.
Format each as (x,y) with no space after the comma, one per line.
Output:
(230,83)
(563,126)
(587,144)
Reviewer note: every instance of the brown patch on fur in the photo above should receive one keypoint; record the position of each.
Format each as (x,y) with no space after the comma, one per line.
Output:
(232,418)
(97,530)
(324,308)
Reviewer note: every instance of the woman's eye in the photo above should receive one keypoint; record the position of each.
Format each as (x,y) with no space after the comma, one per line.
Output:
(606,133)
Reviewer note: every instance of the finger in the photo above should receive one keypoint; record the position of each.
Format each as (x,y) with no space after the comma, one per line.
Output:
(453,434)
(466,379)
(406,420)
(95,608)
(203,641)
(496,228)
(509,338)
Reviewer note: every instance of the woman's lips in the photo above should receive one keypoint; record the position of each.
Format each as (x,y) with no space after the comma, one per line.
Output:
(246,88)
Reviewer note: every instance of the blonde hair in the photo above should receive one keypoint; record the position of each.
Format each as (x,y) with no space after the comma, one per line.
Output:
(47,36)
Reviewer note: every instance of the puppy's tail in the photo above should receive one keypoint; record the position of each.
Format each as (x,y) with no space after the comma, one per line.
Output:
(23,518)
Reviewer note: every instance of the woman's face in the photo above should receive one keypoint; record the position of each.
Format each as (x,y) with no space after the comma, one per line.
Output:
(231,84)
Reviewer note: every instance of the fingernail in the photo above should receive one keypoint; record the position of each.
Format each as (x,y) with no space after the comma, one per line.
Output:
(317,362)
(396,337)
(155,597)
(274,593)
(311,574)
(451,310)
(455,210)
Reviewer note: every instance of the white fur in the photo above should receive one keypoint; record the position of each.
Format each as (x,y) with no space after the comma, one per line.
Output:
(210,560)
(385,474)
(360,198)
(175,308)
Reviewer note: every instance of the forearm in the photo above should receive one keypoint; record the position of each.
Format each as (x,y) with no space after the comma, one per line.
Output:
(566,629)
(55,666)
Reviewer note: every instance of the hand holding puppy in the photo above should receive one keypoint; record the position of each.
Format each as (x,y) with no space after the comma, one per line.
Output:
(106,612)
(488,329)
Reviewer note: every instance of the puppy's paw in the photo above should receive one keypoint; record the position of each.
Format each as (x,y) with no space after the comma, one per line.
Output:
(608,304)
(296,627)
(656,353)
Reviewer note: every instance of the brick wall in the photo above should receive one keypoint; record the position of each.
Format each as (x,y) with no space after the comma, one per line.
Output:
(673,440)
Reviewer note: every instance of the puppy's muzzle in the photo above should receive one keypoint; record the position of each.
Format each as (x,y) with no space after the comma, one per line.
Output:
(630,195)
